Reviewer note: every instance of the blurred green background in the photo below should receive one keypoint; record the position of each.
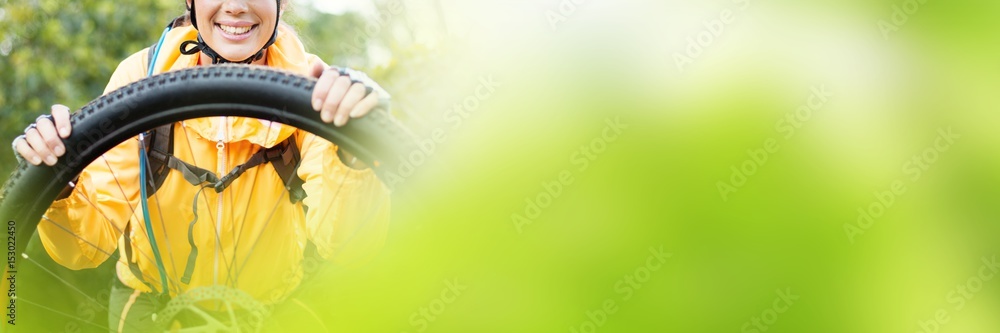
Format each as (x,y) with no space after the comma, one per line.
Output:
(470,251)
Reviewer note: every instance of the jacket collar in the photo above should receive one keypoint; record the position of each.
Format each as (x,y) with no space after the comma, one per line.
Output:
(287,53)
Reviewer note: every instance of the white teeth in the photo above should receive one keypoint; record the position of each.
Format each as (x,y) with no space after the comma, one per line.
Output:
(235,30)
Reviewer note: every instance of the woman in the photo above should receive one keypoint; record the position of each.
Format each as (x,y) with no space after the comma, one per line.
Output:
(204,238)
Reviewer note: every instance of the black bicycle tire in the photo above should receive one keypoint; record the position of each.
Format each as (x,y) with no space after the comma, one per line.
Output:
(227,90)
(224,90)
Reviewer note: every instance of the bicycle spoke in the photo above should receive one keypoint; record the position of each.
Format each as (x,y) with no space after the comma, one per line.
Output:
(46,218)
(116,256)
(233,321)
(252,246)
(120,230)
(270,216)
(120,187)
(370,216)
(105,328)
(99,210)
(336,194)
(215,224)
(212,324)
(99,304)
(366,221)
(26,256)
(163,226)
(232,230)
(246,211)
(132,208)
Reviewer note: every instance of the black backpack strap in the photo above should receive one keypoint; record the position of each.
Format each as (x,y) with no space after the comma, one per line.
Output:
(286,164)
(160,151)
(284,157)
(161,159)
(192,174)
(193,255)
(258,158)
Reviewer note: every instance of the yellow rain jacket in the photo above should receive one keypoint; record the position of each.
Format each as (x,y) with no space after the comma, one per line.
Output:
(250,236)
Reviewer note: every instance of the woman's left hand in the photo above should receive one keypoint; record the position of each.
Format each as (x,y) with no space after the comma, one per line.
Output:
(338,98)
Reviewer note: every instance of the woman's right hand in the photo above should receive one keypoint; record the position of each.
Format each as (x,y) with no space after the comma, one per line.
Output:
(42,141)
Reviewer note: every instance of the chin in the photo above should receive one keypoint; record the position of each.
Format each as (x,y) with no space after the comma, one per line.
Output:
(236,56)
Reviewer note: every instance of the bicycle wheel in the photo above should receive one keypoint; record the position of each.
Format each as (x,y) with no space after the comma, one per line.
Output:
(212,91)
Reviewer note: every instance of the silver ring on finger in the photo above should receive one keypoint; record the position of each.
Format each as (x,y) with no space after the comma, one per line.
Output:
(368,89)
(13,145)
(46,116)
(29,128)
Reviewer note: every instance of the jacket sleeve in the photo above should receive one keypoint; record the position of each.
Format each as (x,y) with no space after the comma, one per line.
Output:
(348,209)
(82,230)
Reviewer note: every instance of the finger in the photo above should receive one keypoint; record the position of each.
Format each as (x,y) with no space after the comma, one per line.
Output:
(365,106)
(47,130)
(61,115)
(323,85)
(36,142)
(25,150)
(334,97)
(353,96)
(318,68)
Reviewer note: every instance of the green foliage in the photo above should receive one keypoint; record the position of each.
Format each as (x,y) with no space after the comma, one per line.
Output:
(64,52)
(326,35)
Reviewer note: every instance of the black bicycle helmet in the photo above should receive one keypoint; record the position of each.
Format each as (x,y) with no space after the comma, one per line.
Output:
(192,47)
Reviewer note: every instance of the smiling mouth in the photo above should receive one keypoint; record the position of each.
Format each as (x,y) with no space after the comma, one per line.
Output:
(236,31)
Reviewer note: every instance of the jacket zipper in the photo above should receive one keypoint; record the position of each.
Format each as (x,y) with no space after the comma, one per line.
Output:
(221,170)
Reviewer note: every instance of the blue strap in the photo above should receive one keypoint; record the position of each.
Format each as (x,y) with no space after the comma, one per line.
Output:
(142,175)
(156,51)
(145,213)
